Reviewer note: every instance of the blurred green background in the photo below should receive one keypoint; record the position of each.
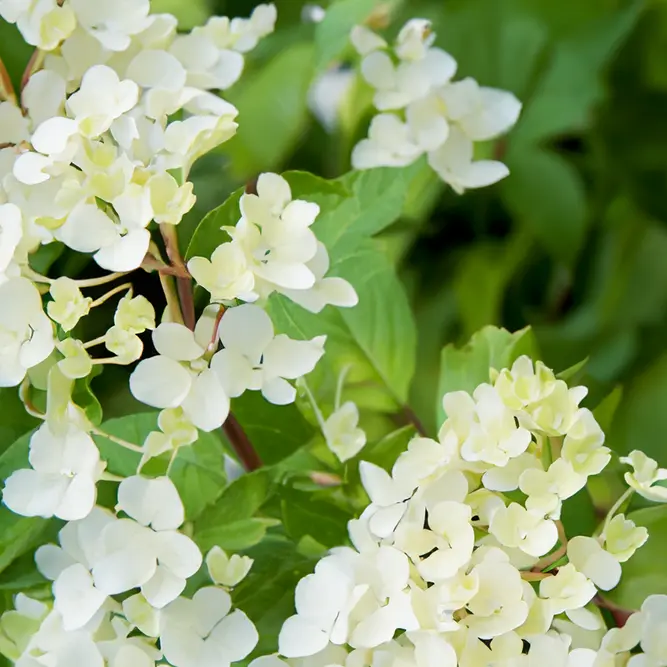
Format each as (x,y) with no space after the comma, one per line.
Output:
(574,242)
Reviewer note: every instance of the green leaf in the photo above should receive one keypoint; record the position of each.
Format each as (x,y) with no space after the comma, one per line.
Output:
(275,431)
(189,15)
(208,235)
(546,194)
(267,593)
(198,471)
(234,536)
(239,501)
(385,452)
(462,369)
(571,86)
(272,103)
(303,514)
(332,35)
(644,574)
(379,332)
(574,373)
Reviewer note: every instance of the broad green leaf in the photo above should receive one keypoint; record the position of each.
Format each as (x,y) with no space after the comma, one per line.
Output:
(379,332)
(644,574)
(239,501)
(234,536)
(198,471)
(275,431)
(332,35)
(574,373)
(272,104)
(267,593)
(546,195)
(208,235)
(385,452)
(571,85)
(578,514)
(462,369)
(304,514)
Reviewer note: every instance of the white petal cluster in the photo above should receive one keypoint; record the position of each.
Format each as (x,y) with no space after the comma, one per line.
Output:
(460,558)
(422,111)
(188,374)
(645,473)
(120,105)
(105,555)
(273,249)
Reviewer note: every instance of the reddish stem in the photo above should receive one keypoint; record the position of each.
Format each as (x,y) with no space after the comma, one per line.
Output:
(241,444)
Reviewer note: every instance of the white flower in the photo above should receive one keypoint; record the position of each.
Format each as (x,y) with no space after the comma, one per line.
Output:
(588,556)
(622,537)
(77,362)
(557,483)
(26,333)
(326,290)
(176,430)
(253,358)
(343,436)
(414,40)
(226,571)
(274,233)
(389,144)
(148,553)
(365,41)
(180,377)
(62,480)
(453,162)
(11,233)
(134,314)
(448,542)
(43,23)
(498,606)
(654,625)
(68,305)
(226,275)
(583,445)
(568,589)
(169,201)
(514,526)
(101,99)
(112,22)
(202,633)
(645,473)
(399,85)
(485,426)
(481,113)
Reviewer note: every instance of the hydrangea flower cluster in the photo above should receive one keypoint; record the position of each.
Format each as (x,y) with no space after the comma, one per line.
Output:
(115,111)
(422,111)
(461,559)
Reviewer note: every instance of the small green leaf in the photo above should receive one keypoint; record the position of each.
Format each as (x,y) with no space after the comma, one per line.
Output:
(234,536)
(275,431)
(574,373)
(332,35)
(208,235)
(239,501)
(303,514)
(462,369)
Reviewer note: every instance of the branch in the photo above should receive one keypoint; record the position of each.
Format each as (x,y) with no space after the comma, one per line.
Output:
(183,285)
(241,444)
(412,418)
